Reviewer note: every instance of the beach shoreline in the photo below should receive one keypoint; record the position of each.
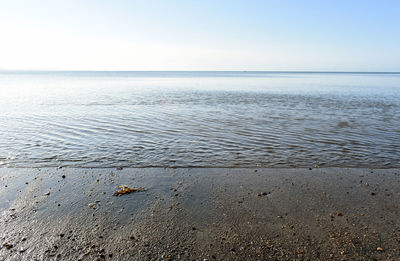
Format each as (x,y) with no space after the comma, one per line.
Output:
(200,213)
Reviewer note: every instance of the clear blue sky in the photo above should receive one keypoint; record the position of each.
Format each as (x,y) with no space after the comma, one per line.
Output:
(346,35)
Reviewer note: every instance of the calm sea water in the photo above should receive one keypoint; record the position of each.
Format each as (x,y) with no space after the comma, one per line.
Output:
(222,119)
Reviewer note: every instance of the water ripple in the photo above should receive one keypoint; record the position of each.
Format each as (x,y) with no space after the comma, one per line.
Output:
(219,122)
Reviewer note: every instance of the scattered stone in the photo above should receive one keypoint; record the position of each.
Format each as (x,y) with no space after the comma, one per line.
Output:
(373,193)
(262,194)
(63,176)
(7,245)
(340,214)
(61,234)
(379,249)
(47,193)
(90,205)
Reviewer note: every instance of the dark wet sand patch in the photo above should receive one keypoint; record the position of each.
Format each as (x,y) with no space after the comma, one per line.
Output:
(197,214)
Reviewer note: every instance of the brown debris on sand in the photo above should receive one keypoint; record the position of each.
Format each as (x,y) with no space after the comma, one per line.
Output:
(7,245)
(124,189)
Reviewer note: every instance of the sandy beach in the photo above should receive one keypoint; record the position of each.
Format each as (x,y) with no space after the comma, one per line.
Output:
(200,214)
(199,130)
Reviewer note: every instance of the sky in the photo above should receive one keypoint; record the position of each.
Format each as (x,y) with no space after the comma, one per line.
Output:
(307,35)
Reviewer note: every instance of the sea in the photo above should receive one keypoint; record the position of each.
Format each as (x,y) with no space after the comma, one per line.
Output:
(93,119)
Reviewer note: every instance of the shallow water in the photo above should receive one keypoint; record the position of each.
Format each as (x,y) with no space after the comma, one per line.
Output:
(219,119)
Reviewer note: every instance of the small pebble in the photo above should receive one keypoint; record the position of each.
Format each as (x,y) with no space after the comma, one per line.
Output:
(7,246)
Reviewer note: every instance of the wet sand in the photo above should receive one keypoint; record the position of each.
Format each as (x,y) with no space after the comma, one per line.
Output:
(200,214)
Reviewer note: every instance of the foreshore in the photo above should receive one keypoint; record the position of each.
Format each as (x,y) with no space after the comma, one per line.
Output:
(200,214)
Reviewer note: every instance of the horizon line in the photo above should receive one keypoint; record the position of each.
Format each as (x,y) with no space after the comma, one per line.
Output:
(230,71)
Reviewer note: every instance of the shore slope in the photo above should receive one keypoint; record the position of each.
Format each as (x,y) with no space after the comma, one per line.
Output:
(203,213)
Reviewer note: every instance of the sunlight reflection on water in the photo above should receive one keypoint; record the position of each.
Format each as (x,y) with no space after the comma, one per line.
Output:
(141,119)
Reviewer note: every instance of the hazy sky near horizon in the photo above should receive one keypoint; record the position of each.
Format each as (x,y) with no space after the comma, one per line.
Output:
(346,35)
